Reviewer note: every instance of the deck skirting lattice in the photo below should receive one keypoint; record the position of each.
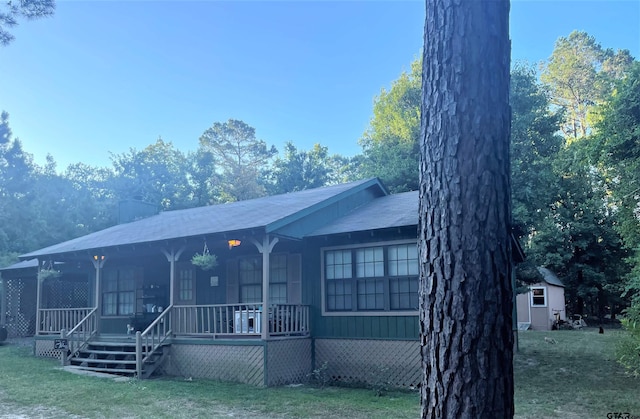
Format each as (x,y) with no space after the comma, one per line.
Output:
(370,361)
(242,363)
(288,361)
(44,348)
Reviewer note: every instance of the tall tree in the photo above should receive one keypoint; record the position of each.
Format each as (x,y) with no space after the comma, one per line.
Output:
(577,239)
(241,157)
(299,169)
(465,213)
(581,74)
(618,150)
(157,174)
(391,143)
(12,10)
(534,143)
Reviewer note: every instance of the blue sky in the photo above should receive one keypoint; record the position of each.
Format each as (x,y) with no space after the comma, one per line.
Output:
(104,76)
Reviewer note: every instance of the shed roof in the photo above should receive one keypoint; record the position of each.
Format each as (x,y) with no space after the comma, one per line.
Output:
(390,211)
(549,277)
(268,213)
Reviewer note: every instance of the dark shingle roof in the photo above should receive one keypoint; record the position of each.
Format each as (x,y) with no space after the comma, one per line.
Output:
(25,264)
(388,211)
(241,215)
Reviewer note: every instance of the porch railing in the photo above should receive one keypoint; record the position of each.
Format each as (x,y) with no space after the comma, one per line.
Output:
(152,338)
(288,319)
(239,320)
(51,321)
(79,336)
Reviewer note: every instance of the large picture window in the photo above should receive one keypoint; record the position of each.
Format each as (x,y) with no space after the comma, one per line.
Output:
(373,278)
(118,297)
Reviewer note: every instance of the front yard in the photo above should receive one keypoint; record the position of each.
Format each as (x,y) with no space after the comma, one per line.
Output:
(575,377)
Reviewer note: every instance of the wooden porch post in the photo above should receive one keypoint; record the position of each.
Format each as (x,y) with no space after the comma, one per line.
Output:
(98,263)
(3,302)
(172,258)
(38,300)
(265,248)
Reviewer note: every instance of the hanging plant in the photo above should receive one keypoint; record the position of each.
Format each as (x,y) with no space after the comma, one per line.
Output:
(48,272)
(205,260)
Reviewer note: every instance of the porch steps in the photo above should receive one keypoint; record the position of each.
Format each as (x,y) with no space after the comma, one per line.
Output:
(116,357)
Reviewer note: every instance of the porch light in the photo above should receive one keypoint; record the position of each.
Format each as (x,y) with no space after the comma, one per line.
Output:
(234,243)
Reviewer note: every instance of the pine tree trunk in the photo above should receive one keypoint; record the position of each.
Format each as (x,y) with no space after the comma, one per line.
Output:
(465,212)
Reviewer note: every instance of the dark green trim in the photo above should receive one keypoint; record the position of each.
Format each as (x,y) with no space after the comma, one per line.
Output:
(362,338)
(265,368)
(274,226)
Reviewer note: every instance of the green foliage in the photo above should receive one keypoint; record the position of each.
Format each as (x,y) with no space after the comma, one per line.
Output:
(320,376)
(379,380)
(617,148)
(44,274)
(158,175)
(391,143)
(241,157)
(534,143)
(298,169)
(205,261)
(11,11)
(580,74)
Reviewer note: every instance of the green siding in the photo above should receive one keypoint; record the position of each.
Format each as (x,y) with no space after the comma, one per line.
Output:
(350,326)
(331,212)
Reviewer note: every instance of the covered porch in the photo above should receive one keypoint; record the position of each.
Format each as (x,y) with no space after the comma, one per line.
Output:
(159,312)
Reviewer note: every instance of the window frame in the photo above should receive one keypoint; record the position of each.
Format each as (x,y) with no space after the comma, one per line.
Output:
(386,278)
(545,295)
(118,292)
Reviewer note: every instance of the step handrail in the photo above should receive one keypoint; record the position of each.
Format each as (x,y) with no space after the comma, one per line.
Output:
(153,337)
(79,335)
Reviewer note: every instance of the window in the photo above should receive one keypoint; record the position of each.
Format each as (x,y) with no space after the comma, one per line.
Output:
(250,275)
(278,279)
(118,292)
(403,270)
(369,262)
(373,278)
(185,284)
(338,264)
(538,297)
(250,279)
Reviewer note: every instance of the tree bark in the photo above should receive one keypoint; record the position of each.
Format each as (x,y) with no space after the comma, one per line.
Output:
(465,212)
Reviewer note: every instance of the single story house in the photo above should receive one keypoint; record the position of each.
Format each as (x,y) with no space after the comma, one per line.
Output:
(321,277)
(543,304)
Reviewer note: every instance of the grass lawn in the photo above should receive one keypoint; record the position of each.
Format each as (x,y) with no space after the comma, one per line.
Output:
(577,377)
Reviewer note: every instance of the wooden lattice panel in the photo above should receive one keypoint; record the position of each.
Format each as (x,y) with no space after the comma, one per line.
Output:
(61,293)
(244,364)
(288,361)
(44,348)
(21,308)
(370,361)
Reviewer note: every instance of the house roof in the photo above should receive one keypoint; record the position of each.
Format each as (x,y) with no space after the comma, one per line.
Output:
(398,210)
(24,264)
(268,213)
(549,277)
